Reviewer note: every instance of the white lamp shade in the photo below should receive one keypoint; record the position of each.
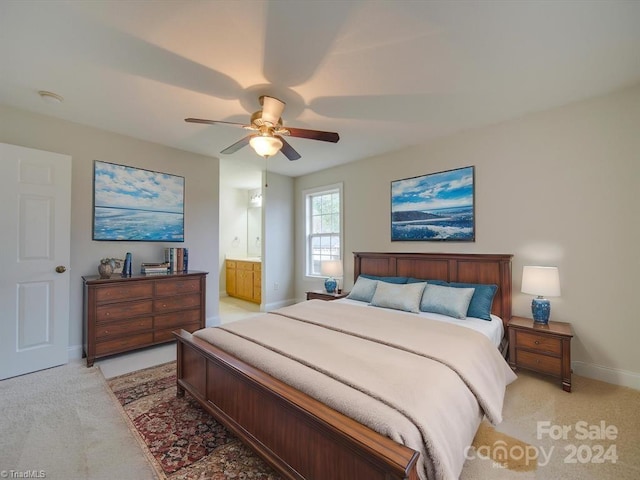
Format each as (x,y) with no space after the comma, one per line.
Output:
(541,281)
(331,268)
(265,146)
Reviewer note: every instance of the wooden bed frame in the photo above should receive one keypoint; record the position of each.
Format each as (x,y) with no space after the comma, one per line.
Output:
(300,437)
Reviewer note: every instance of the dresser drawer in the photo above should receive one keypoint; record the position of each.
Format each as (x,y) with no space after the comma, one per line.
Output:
(167,335)
(122,344)
(106,330)
(176,303)
(177,287)
(176,319)
(541,343)
(124,291)
(539,363)
(120,311)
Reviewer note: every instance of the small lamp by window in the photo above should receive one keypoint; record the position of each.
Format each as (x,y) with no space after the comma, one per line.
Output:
(543,282)
(331,269)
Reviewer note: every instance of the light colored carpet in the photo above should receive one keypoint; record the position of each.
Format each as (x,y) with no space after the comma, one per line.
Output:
(534,398)
(63,423)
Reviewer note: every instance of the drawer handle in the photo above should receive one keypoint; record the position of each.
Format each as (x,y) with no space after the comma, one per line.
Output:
(107,314)
(537,342)
(537,361)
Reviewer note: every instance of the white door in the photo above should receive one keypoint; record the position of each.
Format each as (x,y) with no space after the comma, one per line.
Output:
(35,204)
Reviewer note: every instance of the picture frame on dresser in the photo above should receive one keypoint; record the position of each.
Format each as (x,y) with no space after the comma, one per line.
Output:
(434,207)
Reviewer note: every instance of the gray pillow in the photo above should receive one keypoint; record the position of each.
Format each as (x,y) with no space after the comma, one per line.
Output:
(450,301)
(398,296)
(363,289)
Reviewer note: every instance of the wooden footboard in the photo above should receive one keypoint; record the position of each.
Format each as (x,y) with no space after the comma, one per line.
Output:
(298,436)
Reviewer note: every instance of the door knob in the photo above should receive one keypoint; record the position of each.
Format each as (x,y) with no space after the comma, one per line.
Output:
(61,269)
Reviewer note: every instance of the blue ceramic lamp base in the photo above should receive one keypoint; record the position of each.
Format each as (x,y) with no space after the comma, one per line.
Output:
(540,308)
(330,285)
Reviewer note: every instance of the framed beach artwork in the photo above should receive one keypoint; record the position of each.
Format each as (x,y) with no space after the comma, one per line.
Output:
(434,207)
(134,204)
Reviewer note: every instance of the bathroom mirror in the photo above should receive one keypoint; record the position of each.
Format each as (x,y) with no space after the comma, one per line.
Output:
(254,231)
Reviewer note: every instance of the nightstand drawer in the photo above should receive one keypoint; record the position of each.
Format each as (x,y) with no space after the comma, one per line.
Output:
(540,363)
(540,343)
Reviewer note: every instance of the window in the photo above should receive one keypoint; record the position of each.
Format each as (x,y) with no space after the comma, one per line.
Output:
(324,226)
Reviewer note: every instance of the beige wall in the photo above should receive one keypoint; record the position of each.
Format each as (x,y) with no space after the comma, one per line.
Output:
(278,278)
(552,188)
(85,145)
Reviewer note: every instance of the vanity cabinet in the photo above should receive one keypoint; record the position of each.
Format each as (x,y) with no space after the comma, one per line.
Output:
(244,280)
(127,313)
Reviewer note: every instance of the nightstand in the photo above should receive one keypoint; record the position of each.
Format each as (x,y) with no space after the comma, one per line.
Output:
(323,295)
(541,348)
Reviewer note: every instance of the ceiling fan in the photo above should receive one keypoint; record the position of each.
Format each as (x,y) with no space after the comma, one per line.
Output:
(269,131)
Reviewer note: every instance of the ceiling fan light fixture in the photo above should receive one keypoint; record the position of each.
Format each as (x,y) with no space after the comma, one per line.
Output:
(265,146)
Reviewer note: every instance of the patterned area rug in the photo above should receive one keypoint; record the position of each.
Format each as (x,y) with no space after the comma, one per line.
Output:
(182,441)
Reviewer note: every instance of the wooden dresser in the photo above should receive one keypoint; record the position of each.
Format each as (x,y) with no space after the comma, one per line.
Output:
(244,280)
(127,313)
(541,348)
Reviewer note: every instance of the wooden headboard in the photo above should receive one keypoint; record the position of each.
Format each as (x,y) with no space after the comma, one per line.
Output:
(450,267)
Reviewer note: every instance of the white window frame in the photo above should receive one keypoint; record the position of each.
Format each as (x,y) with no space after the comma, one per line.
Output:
(307,195)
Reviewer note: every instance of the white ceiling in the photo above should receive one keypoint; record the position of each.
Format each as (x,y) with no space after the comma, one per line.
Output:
(384,74)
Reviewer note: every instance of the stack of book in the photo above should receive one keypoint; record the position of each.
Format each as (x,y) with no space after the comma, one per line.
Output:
(154,268)
(177,258)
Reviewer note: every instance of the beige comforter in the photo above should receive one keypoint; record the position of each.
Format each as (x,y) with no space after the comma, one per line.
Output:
(423,383)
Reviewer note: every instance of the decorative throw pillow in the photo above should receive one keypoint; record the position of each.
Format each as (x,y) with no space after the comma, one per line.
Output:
(398,296)
(482,300)
(450,301)
(363,289)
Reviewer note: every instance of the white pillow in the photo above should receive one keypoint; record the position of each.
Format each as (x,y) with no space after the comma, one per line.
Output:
(450,301)
(363,289)
(398,296)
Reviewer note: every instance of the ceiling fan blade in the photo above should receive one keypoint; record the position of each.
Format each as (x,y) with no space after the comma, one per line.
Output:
(212,122)
(272,109)
(314,134)
(243,142)
(287,150)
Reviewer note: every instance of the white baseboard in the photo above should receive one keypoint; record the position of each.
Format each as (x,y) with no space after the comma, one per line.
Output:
(616,376)
(75,352)
(212,321)
(282,303)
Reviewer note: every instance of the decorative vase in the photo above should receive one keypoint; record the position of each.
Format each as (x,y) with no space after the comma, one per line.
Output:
(105,270)
(330,285)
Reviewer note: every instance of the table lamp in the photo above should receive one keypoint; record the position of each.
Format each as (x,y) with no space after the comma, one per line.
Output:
(543,282)
(331,269)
